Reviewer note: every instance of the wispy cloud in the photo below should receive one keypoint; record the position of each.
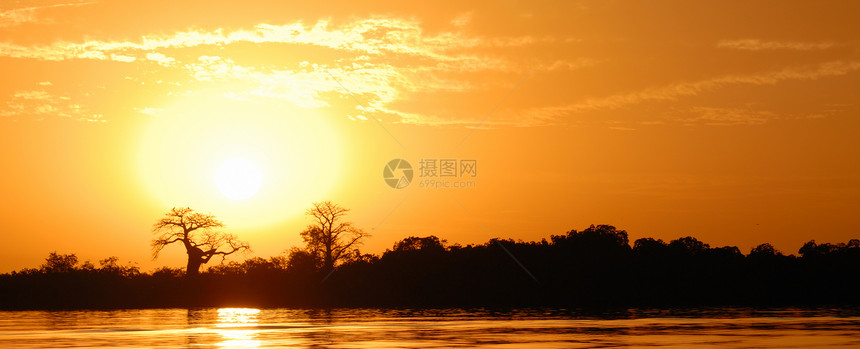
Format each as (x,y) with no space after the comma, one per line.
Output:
(684,89)
(13,17)
(149,111)
(462,19)
(122,58)
(725,116)
(304,87)
(161,59)
(381,59)
(373,36)
(759,45)
(40,104)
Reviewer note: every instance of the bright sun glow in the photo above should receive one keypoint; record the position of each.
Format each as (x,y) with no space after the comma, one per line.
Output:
(250,164)
(238,178)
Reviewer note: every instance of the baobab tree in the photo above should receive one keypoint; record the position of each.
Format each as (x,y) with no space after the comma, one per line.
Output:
(330,238)
(197,232)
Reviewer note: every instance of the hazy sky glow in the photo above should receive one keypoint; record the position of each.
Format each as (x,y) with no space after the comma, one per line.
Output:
(735,122)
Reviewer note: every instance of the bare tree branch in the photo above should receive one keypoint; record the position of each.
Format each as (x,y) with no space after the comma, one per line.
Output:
(330,238)
(197,233)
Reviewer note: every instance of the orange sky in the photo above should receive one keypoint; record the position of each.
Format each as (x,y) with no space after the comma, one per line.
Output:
(734,122)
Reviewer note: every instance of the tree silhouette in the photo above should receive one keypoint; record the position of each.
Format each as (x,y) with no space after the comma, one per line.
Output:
(595,267)
(331,239)
(649,247)
(689,245)
(301,261)
(60,263)
(196,232)
(764,250)
(412,243)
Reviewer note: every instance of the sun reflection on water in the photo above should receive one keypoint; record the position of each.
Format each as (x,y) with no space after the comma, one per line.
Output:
(237,327)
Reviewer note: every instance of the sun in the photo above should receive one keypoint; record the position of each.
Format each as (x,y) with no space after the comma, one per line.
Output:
(252,164)
(238,178)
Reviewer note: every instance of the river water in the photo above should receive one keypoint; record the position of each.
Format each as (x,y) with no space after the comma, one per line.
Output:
(378,328)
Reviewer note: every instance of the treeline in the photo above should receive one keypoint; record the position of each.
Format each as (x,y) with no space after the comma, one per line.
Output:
(595,267)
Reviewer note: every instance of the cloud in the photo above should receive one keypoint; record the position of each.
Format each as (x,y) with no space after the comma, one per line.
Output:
(32,95)
(13,17)
(373,36)
(674,91)
(122,58)
(161,59)
(149,111)
(462,19)
(39,105)
(381,61)
(374,84)
(572,64)
(759,45)
(726,116)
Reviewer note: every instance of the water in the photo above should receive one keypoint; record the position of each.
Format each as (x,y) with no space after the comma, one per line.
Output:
(374,328)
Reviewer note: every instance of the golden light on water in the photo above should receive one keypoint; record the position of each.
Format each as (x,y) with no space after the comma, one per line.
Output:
(237,327)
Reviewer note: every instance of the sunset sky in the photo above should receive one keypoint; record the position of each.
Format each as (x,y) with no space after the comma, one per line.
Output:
(734,122)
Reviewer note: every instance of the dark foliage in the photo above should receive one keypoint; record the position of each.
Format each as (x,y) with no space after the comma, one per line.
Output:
(595,267)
